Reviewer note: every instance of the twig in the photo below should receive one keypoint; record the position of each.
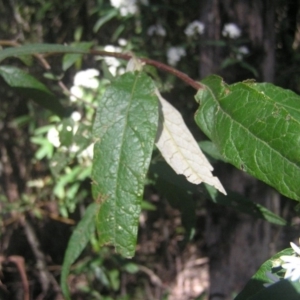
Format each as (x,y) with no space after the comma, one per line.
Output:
(20,264)
(44,63)
(196,85)
(46,278)
(184,77)
(153,277)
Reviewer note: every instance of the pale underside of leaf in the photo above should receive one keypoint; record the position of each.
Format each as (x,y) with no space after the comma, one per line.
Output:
(179,148)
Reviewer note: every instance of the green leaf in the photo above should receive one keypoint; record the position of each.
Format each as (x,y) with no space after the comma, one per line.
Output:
(114,278)
(77,243)
(232,61)
(125,128)
(256,127)
(243,205)
(69,59)
(107,16)
(38,48)
(131,268)
(66,133)
(26,85)
(284,289)
(16,77)
(210,148)
(58,162)
(256,283)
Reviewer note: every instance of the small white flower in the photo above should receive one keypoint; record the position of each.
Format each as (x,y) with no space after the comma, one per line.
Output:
(87,78)
(295,248)
(157,30)
(88,153)
(243,50)
(122,42)
(126,7)
(273,278)
(116,3)
(76,92)
(292,264)
(53,137)
(196,27)
(231,30)
(76,116)
(134,64)
(112,62)
(174,55)
(74,148)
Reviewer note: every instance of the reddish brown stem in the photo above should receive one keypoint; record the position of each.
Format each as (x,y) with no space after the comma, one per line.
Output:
(196,85)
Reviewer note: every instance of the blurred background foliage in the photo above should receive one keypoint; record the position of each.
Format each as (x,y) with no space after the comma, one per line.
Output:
(45,161)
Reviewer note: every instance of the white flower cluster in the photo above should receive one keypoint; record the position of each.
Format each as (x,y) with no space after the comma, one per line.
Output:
(292,264)
(113,63)
(273,278)
(231,30)
(126,7)
(156,30)
(174,55)
(84,79)
(196,27)
(53,137)
(242,51)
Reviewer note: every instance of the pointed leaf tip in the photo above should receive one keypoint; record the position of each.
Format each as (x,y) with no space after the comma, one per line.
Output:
(180,149)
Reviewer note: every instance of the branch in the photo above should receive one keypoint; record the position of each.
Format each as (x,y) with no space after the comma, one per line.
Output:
(196,85)
(184,77)
(20,264)
(45,277)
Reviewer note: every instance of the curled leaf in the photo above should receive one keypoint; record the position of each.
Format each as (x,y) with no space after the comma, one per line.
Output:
(134,64)
(179,148)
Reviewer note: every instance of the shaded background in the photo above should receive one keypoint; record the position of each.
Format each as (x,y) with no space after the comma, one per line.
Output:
(226,246)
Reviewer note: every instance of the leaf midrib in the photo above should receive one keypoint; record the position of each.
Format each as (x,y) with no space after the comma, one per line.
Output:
(119,160)
(252,134)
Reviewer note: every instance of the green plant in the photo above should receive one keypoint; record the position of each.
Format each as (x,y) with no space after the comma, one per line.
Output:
(254,126)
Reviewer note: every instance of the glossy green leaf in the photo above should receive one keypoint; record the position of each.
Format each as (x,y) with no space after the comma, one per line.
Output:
(244,205)
(125,128)
(210,148)
(77,243)
(16,77)
(66,132)
(28,86)
(38,48)
(70,58)
(256,127)
(256,283)
(58,162)
(107,17)
(284,289)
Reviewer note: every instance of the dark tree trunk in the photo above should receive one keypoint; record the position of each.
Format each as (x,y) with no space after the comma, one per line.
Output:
(210,57)
(237,244)
(256,19)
